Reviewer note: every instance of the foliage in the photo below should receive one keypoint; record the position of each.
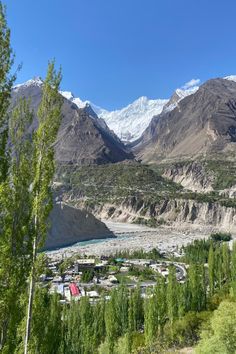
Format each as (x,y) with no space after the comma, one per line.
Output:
(154,254)
(221,236)
(114,182)
(87,276)
(196,251)
(144,273)
(221,336)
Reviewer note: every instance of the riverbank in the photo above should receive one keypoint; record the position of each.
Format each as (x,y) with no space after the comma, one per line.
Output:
(133,237)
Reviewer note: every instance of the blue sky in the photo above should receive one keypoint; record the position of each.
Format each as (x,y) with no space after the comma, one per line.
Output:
(113,51)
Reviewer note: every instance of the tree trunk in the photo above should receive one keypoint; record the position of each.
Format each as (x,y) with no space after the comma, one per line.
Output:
(31,296)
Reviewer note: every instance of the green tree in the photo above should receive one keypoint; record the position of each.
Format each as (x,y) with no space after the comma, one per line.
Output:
(171,295)
(46,323)
(196,279)
(99,331)
(70,341)
(233,269)
(122,309)
(151,323)
(162,303)
(136,314)
(87,341)
(112,322)
(15,225)
(226,264)
(6,83)
(211,269)
(49,118)
(221,336)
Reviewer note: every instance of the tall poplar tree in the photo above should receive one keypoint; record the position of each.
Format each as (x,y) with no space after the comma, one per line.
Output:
(49,118)
(211,270)
(171,295)
(15,220)
(6,83)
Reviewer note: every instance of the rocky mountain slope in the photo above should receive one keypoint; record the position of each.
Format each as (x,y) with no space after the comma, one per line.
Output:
(203,123)
(182,214)
(136,193)
(83,138)
(129,122)
(70,225)
(189,180)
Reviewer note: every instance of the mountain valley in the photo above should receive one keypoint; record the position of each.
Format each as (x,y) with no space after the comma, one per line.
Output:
(180,172)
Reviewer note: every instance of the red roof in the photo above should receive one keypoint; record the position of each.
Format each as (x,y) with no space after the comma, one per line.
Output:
(74,289)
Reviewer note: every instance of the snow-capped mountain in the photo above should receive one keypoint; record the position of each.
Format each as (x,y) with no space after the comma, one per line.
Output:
(37,81)
(177,96)
(230,77)
(127,123)
(130,122)
(82,104)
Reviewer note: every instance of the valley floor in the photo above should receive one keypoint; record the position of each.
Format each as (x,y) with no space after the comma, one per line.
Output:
(134,237)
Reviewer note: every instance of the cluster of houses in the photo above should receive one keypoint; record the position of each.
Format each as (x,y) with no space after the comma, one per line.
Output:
(72,285)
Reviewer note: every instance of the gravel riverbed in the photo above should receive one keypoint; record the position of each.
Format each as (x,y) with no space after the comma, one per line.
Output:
(133,237)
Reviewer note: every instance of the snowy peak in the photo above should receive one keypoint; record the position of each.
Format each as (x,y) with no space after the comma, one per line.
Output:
(184,93)
(230,78)
(68,95)
(130,122)
(76,100)
(37,81)
(178,96)
(81,104)
(127,123)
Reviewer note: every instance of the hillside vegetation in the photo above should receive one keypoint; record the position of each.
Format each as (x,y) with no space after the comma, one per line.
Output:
(116,182)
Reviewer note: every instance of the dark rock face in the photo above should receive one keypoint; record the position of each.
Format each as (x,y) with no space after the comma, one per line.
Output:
(82,141)
(70,225)
(202,123)
(82,138)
